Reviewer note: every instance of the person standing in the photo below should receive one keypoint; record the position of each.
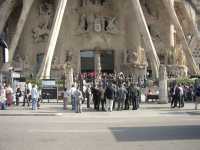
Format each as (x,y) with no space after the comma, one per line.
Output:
(88,95)
(9,95)
(176,96)
(66,96)
(102,91)
(34,96)
(18,95)
(78,100)
(133,96)
(181,101)
(196,94)
(109,94)
(72,93)
(2,98)
(122,92)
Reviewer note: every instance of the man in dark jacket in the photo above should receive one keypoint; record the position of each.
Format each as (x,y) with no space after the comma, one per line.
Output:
(109,94)
(18,95)
(134,94)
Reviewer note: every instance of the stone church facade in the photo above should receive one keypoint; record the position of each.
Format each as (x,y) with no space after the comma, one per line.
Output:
(131,36)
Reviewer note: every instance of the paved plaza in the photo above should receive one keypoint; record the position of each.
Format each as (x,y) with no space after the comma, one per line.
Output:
(152,127)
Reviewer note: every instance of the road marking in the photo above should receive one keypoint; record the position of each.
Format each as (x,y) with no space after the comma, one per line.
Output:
(72,131)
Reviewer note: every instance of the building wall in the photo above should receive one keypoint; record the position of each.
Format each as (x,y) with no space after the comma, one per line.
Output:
(71,38)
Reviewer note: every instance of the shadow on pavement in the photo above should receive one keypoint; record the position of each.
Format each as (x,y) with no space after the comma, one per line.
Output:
(160,133)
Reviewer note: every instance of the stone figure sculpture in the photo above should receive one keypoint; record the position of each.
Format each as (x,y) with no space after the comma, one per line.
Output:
(68,57)
(42,30)
(83,23)
(68,70)
(112,25)
(132,56)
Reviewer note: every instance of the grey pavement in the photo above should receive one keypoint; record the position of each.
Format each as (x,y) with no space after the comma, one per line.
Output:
(152,127)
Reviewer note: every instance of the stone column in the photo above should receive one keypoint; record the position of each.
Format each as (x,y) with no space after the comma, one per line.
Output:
(169,4)
(163,94)
(143,29)
(44,72)
(5,11)
(97,62)
(27,4)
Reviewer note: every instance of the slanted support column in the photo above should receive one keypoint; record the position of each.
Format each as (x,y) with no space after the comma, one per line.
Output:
(172,36)
(150,48)
(5,11)
(169,4)
(27,4)
(44,72)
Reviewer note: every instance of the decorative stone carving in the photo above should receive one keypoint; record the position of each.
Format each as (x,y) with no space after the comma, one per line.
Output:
(97,24)
(68,56)
(42,30)
(68,69)
(112,25)
(142,56)
(40,33)
(84,3)
(18,61)
(131,56)
(83,23)
(94,23)
(180,58)
(135,57)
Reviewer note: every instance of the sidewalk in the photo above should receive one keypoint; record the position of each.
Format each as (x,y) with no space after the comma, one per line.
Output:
(150,109)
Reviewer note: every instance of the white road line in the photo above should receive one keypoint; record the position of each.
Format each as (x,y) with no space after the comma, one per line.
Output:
(72,131)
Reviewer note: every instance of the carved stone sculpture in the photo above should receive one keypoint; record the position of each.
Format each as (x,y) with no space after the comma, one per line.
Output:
(40,33)
(132,56)
(42,30)
(180,58)
(83,23)
(94,2)
(97,24)
(112,25)
(142,57)
(68,57)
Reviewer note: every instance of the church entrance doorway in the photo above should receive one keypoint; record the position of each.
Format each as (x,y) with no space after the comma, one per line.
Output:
(97,61)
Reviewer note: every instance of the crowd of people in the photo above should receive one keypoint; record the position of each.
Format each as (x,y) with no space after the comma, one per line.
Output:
(30,95)
(106,92)
(179,93)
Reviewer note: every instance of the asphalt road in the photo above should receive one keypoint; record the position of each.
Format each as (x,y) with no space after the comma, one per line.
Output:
(148,129)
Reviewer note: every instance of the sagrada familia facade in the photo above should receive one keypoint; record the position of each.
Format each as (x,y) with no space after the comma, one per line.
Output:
(131,36)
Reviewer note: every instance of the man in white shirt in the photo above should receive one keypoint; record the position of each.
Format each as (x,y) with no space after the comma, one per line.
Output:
(181,101)
(72,93)
(34,96)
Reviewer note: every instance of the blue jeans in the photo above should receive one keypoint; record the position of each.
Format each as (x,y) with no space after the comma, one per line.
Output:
(34,104)
(73,103)
(2,105)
